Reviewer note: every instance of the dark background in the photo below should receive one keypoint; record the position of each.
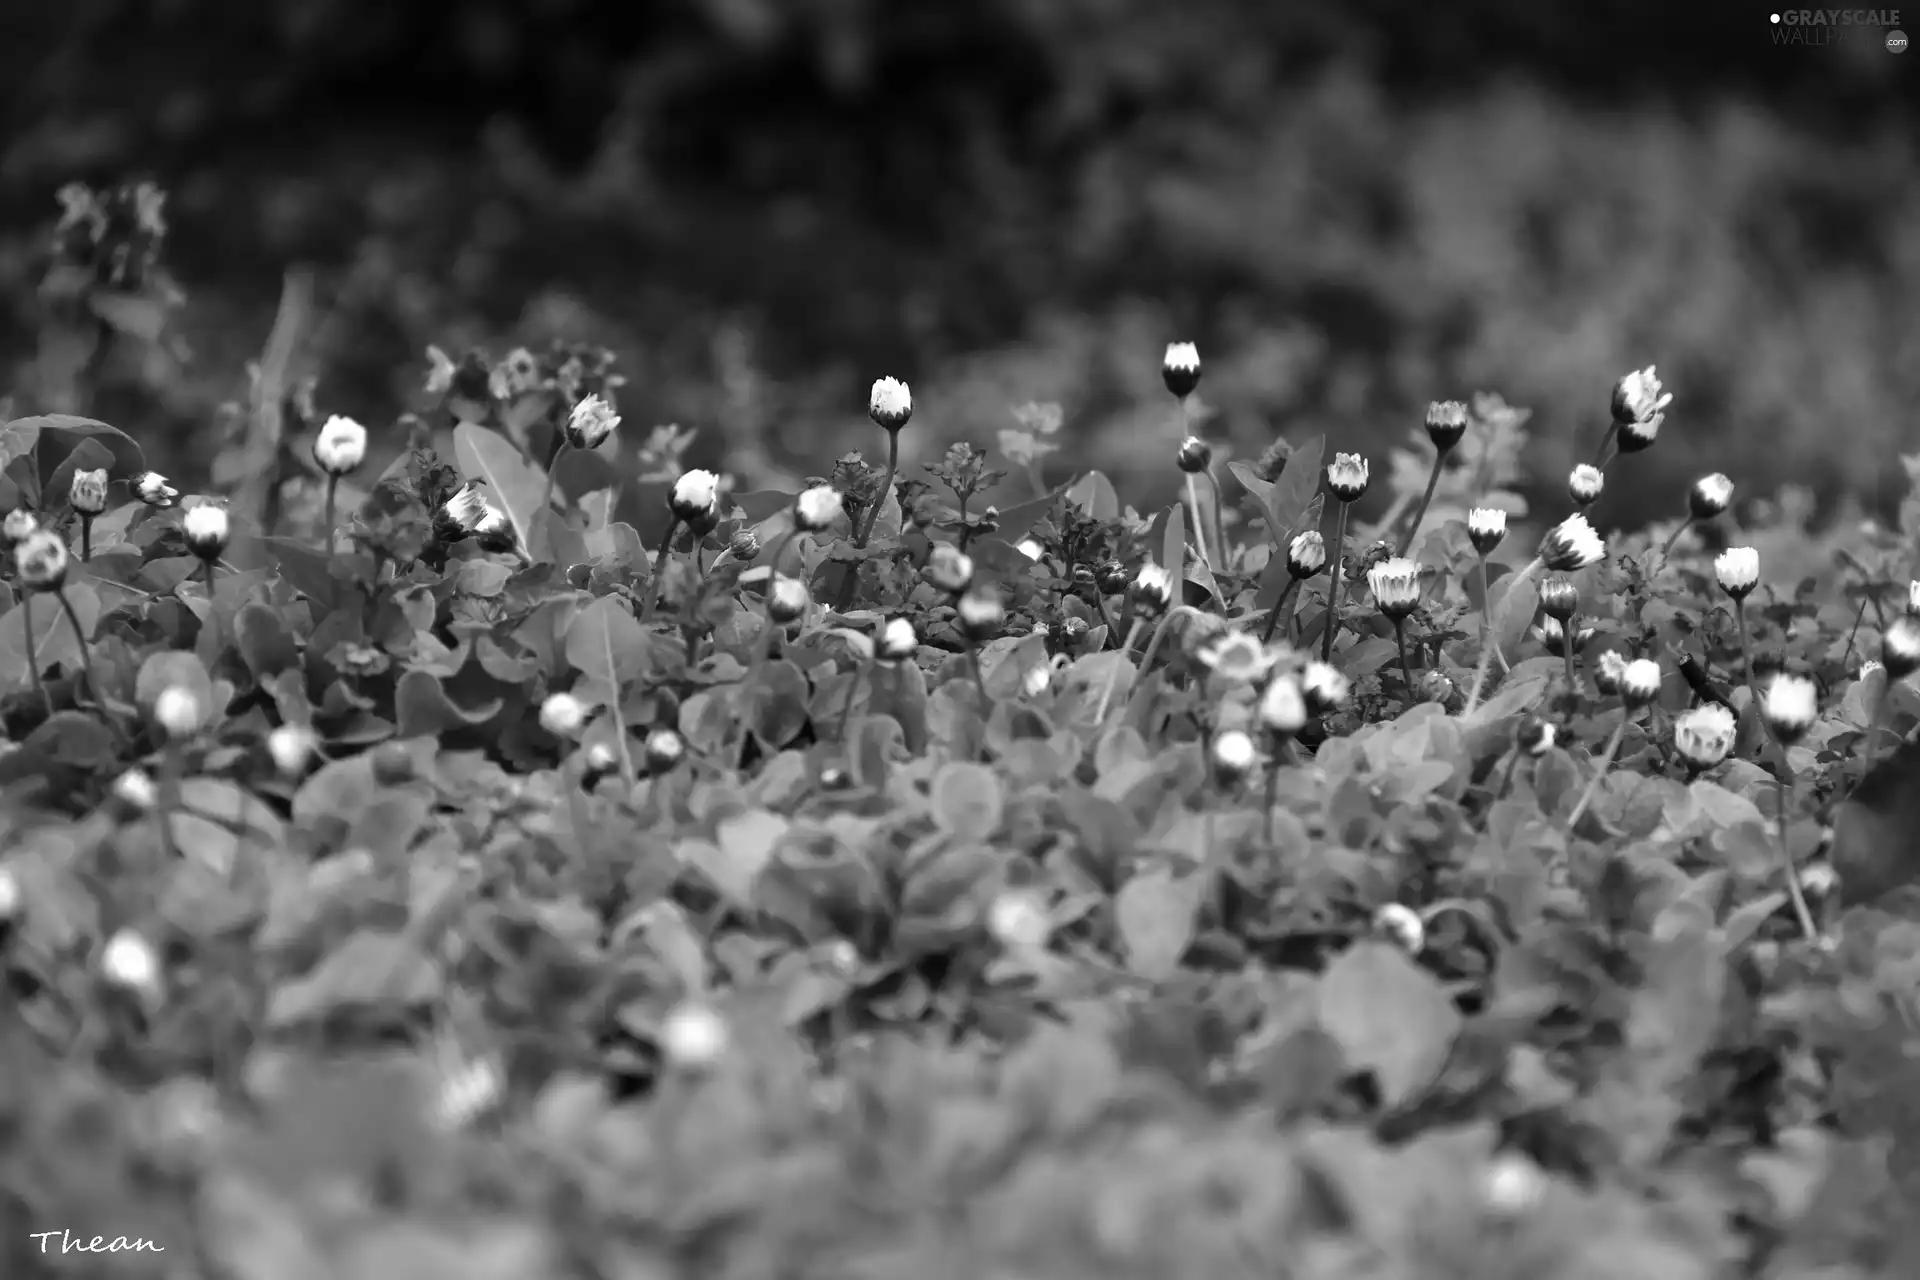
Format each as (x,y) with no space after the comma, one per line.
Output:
(763,204)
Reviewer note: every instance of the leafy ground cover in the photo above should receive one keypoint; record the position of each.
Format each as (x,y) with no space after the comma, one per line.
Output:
(409,870)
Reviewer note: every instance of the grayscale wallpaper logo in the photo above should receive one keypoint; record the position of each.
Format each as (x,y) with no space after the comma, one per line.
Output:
(1840,26)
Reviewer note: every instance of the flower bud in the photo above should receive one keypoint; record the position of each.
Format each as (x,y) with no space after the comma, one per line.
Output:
(1790,706)
(1403,925)
(815,510)
(949,569)
(1534,736)
(1640,682)
(897,641)
(1913,593)
(890,404)
(462,513)
(135,789)
(1572,545)
(1234,756)
(1036,680)
(1324,686)
(152,488)
(695,501)
(1152,590)
(1710,496)
(1704,735)
(787,599)
(18,526)
(665,749)
(1555,636)
(1195,456)
(88,492)
(12,900)
(1435,685)
(1639,407)
(1306,554)
(40,560)
(1283,706)
(693,1037)
(1738,571)
(1347,476)
(495,531)
(599,760)
(1900,647)
(1180,368)
(341,445)
(744,546)
(1446,424)
(562,715)
(1486,528)
(1585,483)
(1559,598)
(590,422)
(981,616)
(207,531)
(129,961)
(1395,583)
(1111,577)
(179,711)
(1609,671)
(1018,921)
(291,746)
(1513,1185)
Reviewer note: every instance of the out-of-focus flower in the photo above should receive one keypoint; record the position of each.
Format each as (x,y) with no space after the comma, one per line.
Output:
(40,561)
(1403,925)
(1900,647)
(152,488)
(787,598)
(1235,655)
(1710,496)
(1234,755)
(949,568)
(1704,735)
(665,749)
(207,530)
(562,715)
(1283,706)
(815,510)
(1790,706)
(291,746)
(1152,590)
(341,445)
(897,642)
(1324,686)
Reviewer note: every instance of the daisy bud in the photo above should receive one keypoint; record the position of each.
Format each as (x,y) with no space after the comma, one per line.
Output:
(1111,578)
(1347,476)
(1556,638)
(665,749)
(787,599)
(1584,484)
(1018,921)
(461,514)
(40,560)
(207,531)
(178,710)
(1559,598)
(1534,736)
(1029,548)
(1513,1185)
(1324,687)
(1900,647)
(599,761)
(19,525)
(465,1093)
(291,746)
(1437,686)
(1486,528)
(1913,593)
(1609,671)
(890,404)
(1790,706)
(135,788)
(1195,456)
(12,900)
(1307,554)
(1738,571)
(495,531)
(1235,655)
(981,616)
(1396,586)
(1640,682)
(1704,735)
(562,715)
(341,445)
(1446,424)
(1180,368)
(152,488)
(88,492)
(590,423)
(1572,545)
(1818,880)
(1152,590)
(1283,707)
(128,961)
(1234,755)
(1639,407)
(815,510)
(744,546)
(1710,496)
(1403,925)
(897,642)
(695,501)
(949,568)
(693,1037)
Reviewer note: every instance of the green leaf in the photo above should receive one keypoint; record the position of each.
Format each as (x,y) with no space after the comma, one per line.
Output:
(486,578)
(1173,549)
(778,710)
(53,640)
(741,848)
(1156,914)
(170,668)
(422,708)
(128,458)
(371,968)
(1514,697)
(72,739)
(1093,493)
(606,643)
(517,485)
(265,643)
(1389,1016)
(967,800)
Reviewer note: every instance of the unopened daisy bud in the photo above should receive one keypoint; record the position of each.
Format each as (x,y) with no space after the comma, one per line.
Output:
(744,546)
(1704,735)
(695,501)
(1283,706)
(1609,671)
(1900,647)
(1395,584)
(19,525)
(1029,548)
(341,445)
(665,750)
(1435,685)
(1152,590)
(179,711)
(466,1093)
(1347,476)
(1640,682)
(1559,598)
(815,510)
(599,760)
(897,641)
(1233,755)
(129,962)
(1639,407)
(40,561)
(1913,593)
(1037,680)
(207,531)
(562,715)
(693,1037)
(1790,706)
(1486,528)
(1710,496)
(1557,639)
(135,788)
(1180,368)
(12,899)
(1534,736)
(1446,424)
(88,492)
(1111,577)
(1195,456)
(949,569)
(1018,921)
(787,599)
(1403,926)
(1585,484)
(152,488)
(291,746)
(461,514)
(1513,1185)
(1307,554)
(1738,571)
(981,616)
(890,404)
(1572,545)
(590,422)
(1324,687)
(1818,880)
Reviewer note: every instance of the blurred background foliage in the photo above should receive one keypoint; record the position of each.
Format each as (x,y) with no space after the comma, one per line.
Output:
(762,204)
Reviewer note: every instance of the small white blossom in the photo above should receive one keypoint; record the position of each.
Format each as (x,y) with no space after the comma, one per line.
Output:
(341,445)
(1037,680)
(665,749)
(291,746)
(562,715)
(152,488)
(1152,589)
(1180,368)
(1347,476)
(898,642)
(1018,921)
(1572,545)
(949,569)
(1738,571)
(1403,924)
(179,711)
(590,423)
(207,530)
(1790,706)
(128,960)
(135,788)
(1029,548)
(693,1036)
(787,598)
(1234,754)
(1486,528)
(890,403)
(817,508)
(1585,483)
(1307,554)
(1704,735)
(1324,685)
(1640,682)
(40,560)
(696,497)
(1283,706)
(1395,583)
(88,491)
(1710,496)
(465,509)
(1235,655)
(1513,1185)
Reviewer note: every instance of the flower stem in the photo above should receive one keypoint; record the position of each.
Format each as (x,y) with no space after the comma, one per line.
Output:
(86,538)
(1499,621)
(1487,637)
(553,466)
(1746,648)
(326,520)
(1420,513)
(1159,634)
(1335,580)
(660,568)
(979,678)
(1600,455)
(1219,520)
(1133,634)
(1400,640)
(1106,619)
(210,567)
(1600,771)
(1666,548)
(1199,529)
(1506,775)
(1273,615)
(1794,891)
(853,687)
(86,658)
(1574,691)
(886,487)
(33,650)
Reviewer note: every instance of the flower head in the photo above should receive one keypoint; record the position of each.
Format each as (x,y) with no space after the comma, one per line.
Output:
(815,510)
(1018,921)
(1609,671)
(949,568)
(152,488)
(1486,528)
(1704,735)
(1395,584)
(1710,496)
(1347,476)
(1572,545)
(563,715)
(1152,590)
(897,642)
(1307,554)
(1403,925)
(665,749)
(1640,682)
(1790,706)
(18,526)
(1738,571)
(1195,455)
(40,560)
(1235,655)
(1900,647)
(1913,593)
(1555,637)
(1234,755)
(1534,736)
(1324,686)
(463,512)
(1446,424)
(890,404)
(495,530)
(1180,368)
(1559,598)
(1638,399)
(136,789)
(695,501)
(1585,483)
(291,746)
(981,616)
(207,530)
(88,492)
(341,445)
(129,961)
(590,422)
(1513,1185)
(693,1037)
(1283,707)
(787,599)
(179,711)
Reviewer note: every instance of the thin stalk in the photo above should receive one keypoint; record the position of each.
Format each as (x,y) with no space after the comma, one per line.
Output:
(1506,775)
(763,637)
(1600,455)
(1499,621)
(1487,637)
(209,566)
(886,487)
(1133,634)
(1106,619)
(1199,528)
(33,650)
(1160,634)
(1666,548)
(1794,890)
(1219,520)
(1606,762)
(853,687)
(1574,691)
(553,466)
(1335,572)
(86,538)
(86,658)
(1273,795)
(1420,513)
(1273,615)
(1881,706)
(1746,648)
(659,570)
(326,521)
(979,677)
(1400,640)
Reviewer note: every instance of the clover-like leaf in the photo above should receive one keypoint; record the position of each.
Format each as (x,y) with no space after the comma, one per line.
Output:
(1389,1017)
